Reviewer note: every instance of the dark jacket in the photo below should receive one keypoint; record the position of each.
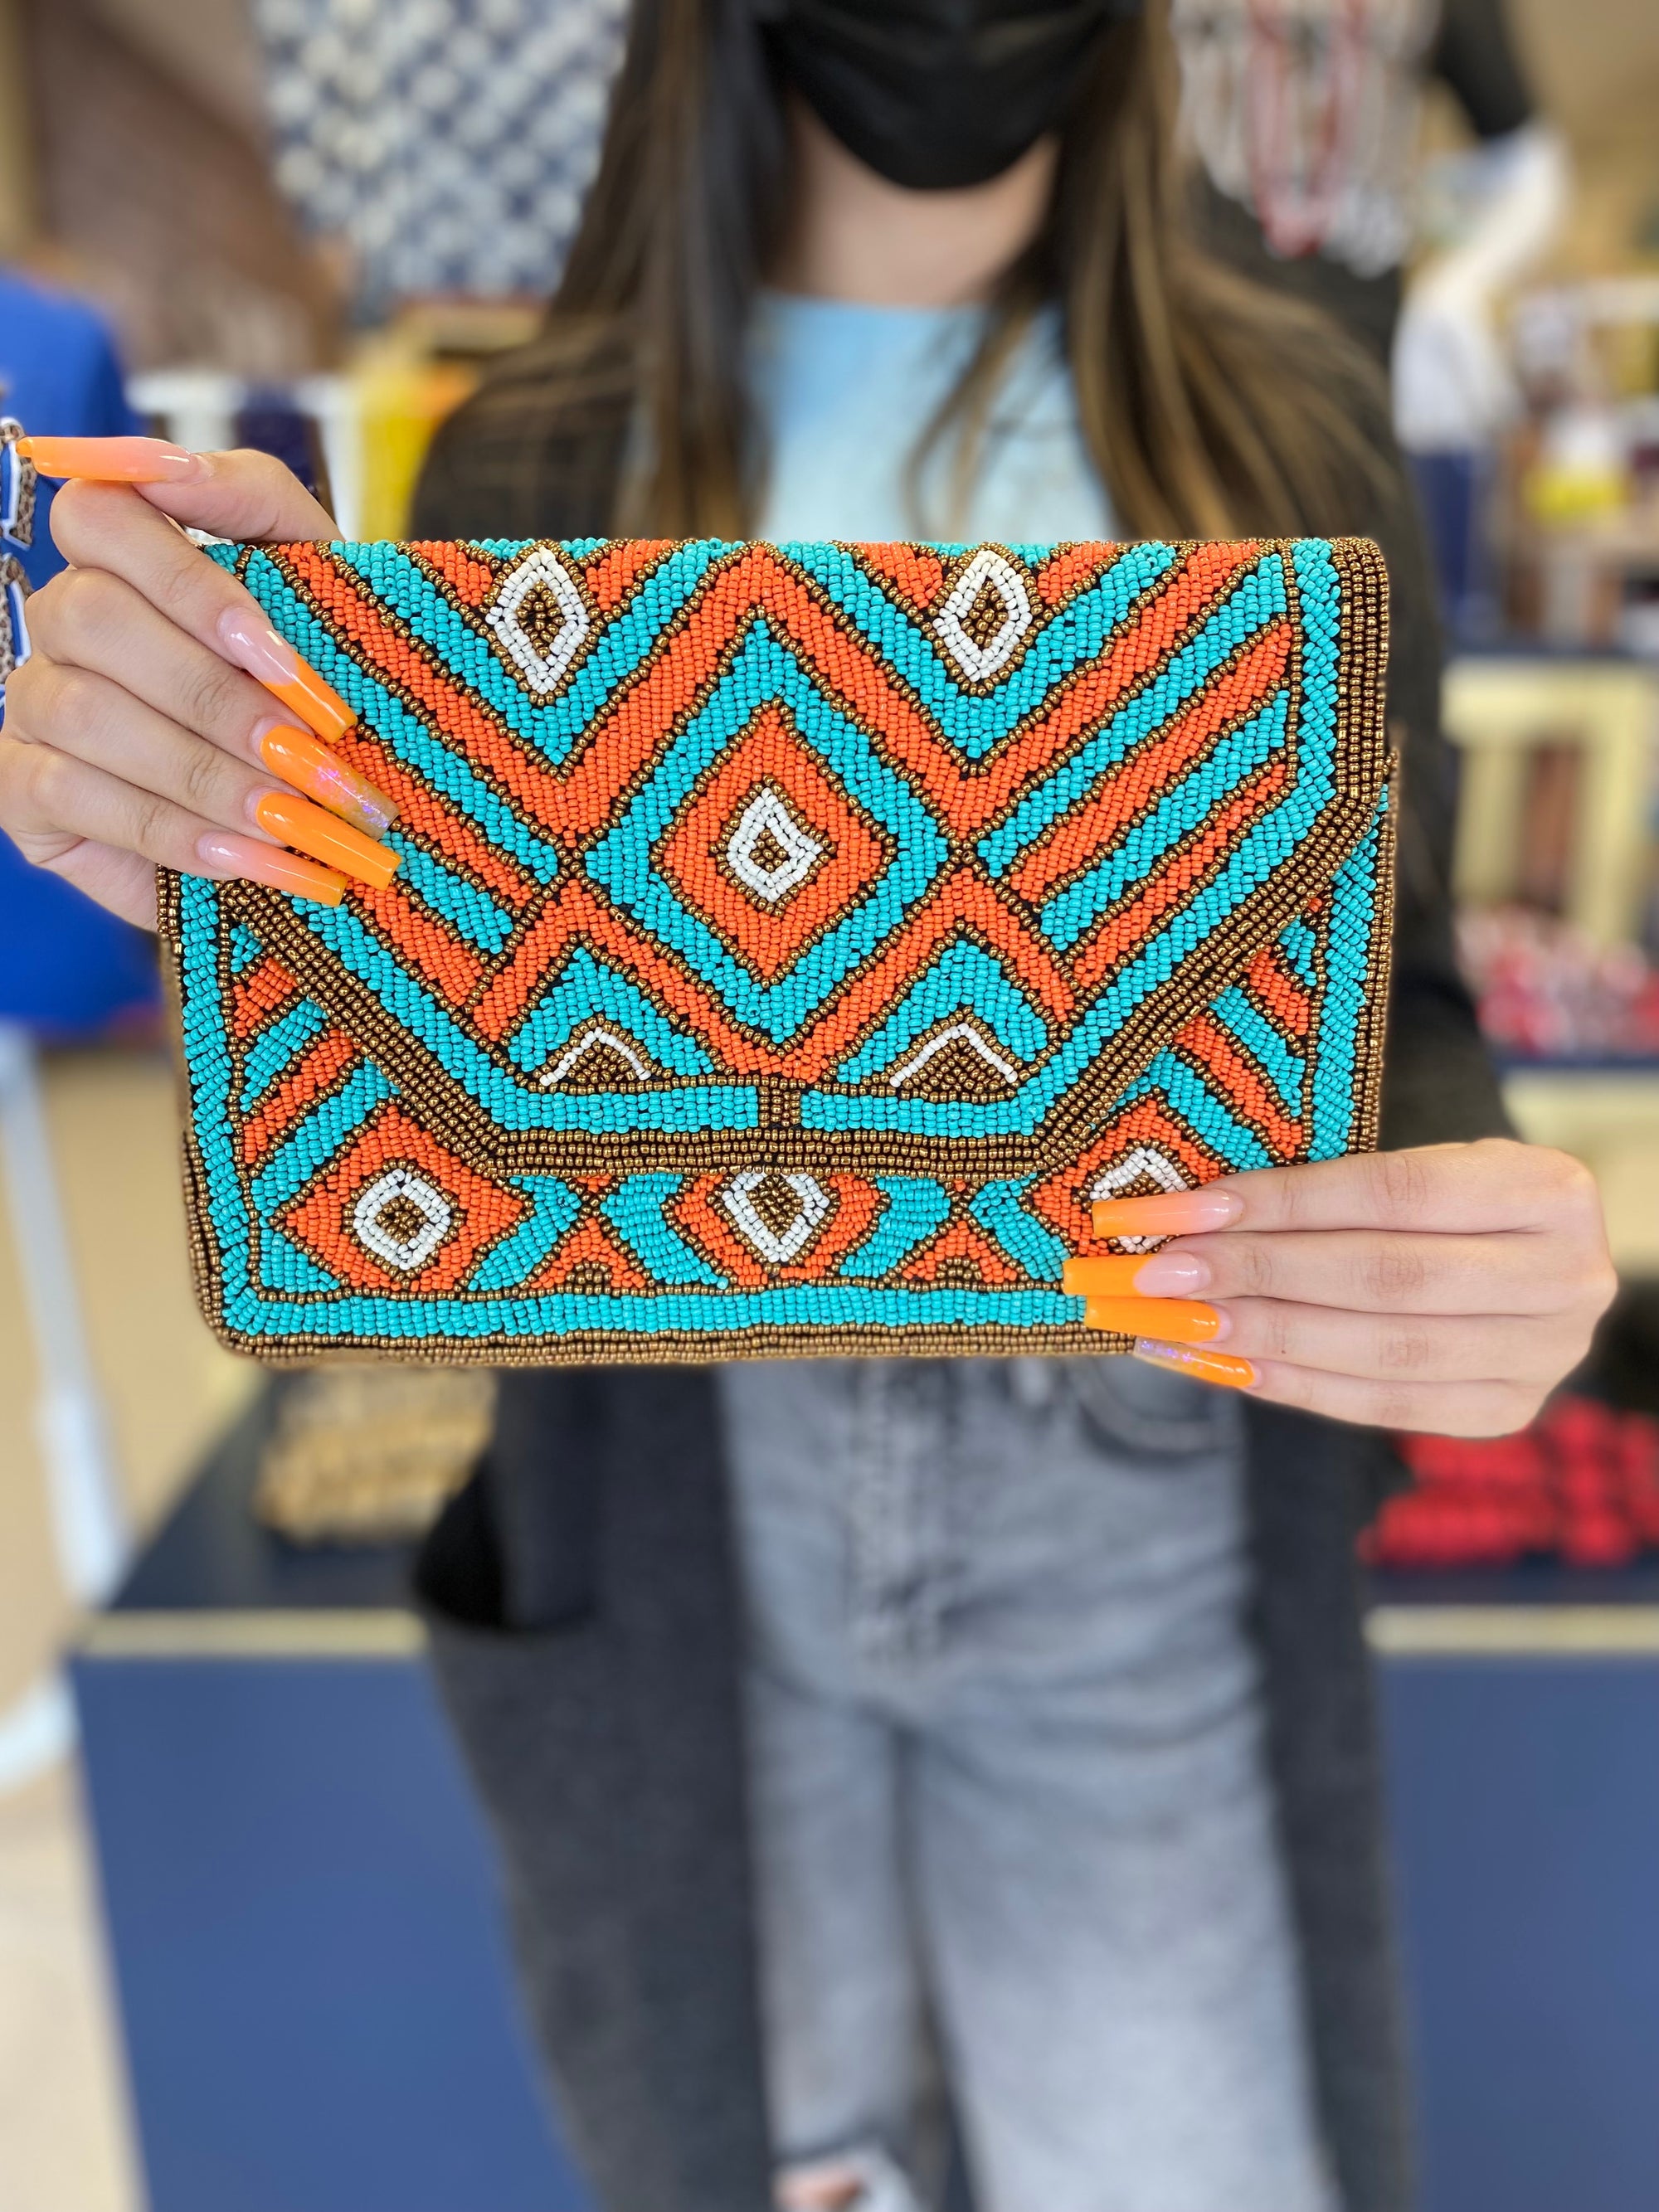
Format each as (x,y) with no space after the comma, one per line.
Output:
(585,1611)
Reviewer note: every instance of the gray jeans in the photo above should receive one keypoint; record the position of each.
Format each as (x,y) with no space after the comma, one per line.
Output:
(1008,1790)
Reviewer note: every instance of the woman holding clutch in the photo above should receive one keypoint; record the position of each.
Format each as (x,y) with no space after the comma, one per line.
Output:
(856,1729)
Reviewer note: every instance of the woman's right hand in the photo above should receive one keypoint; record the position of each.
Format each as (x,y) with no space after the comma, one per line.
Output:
(160,718)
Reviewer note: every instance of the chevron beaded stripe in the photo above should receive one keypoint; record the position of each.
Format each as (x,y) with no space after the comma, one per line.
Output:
(791,941)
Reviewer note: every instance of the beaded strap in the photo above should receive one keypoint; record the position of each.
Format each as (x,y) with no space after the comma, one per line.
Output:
(791,941)
(16,529)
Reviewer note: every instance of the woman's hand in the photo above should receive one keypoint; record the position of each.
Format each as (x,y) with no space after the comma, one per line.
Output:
(159,717)
(1448,1289)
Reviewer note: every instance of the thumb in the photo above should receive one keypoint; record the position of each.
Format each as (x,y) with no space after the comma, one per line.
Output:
(244,495)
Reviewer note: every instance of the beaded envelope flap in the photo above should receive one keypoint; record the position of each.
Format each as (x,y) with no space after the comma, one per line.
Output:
(791,940)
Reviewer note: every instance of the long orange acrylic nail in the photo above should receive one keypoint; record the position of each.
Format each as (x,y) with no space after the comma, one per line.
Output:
(297,822)
(114,461)
(227,855)
(1182,1321)
(254,645)
(1170,1214)
(306,763)
(1187,1359)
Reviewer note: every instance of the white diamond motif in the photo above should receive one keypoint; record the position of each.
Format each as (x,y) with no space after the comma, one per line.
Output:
(779,1249)
(406,1253)
(1146,1161)
(543,570)
(766,816)
(990,567)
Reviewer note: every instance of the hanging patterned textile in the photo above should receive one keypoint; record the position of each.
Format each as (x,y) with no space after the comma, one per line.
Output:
(1305,112)
(448,142)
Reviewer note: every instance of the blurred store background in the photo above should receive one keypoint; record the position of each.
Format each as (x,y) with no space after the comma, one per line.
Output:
(305,224)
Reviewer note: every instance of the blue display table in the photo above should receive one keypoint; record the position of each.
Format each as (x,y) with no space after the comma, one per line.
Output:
(313,1977)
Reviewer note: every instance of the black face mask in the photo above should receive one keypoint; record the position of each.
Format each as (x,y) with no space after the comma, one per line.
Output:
(939,94)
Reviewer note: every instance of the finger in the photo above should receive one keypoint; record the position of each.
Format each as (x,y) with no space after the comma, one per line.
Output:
(1495,1184)
(113,460)
(1382,1348)
(242,494)
(75,710)
(1373,1270)
(121,883)
(1444,1189)
(92,619)
(49,798)
(114,527)
(1440,1409)
(72,711)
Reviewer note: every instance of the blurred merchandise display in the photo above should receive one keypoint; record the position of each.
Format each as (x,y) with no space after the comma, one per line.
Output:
(355,436)
(1454,389)
(1557,786)
(369,1455)
(1307,114)
(1305,117)
(1578,515)
(1547,991)
(446,143)
(1580,1484)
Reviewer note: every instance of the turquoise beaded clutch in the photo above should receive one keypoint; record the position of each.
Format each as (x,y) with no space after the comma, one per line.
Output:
(791,942)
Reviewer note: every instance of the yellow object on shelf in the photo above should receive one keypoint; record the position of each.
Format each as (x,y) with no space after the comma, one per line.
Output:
(399,405)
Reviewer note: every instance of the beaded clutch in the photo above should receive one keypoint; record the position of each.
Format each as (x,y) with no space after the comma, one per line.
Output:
(791,940)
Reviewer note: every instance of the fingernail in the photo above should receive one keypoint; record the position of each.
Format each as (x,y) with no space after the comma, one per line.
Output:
(115,460)
(1170,1214)
(297,822)
(254,645)
(306,763)
(1183,1321)
(1207,1366)
(230,855)
(1165,1274)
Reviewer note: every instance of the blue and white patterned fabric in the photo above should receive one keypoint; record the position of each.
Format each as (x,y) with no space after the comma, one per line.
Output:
(448,142)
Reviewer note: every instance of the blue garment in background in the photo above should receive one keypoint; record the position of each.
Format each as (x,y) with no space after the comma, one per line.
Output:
(67,967)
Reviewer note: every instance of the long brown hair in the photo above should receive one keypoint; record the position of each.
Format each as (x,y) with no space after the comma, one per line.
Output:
(1210,405)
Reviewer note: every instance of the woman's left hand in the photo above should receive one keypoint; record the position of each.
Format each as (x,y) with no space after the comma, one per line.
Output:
(1448,1289)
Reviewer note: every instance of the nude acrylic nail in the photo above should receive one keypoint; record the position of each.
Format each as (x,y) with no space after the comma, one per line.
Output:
(249,641)
(225,853)
(114,461)
(1169,1213)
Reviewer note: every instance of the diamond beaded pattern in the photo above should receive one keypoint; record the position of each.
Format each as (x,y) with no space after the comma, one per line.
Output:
(791,941)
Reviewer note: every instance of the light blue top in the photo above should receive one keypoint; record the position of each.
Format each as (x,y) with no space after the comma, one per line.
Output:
(844,393)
